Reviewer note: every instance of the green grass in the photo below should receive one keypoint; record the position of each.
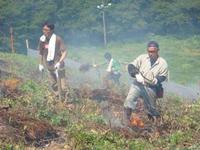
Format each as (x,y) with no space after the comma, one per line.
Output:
(182,55)
(20,65)
(183,118)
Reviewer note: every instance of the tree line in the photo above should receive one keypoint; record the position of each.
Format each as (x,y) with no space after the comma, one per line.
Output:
(80,21)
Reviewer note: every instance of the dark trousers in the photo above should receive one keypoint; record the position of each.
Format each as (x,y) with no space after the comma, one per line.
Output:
(114,77)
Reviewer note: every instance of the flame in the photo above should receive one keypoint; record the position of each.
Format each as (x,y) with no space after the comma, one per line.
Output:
(11,84)
(136,121)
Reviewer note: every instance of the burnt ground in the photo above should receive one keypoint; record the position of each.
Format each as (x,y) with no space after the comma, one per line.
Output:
(111,105)
(17,125)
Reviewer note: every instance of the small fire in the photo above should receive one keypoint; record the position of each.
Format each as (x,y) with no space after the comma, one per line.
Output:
(136,121)
(10,84)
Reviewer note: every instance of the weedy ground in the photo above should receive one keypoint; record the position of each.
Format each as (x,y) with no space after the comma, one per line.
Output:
(31,117)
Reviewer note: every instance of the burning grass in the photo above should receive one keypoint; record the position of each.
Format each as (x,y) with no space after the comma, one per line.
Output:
(94,119)
(111,104)
(9,88)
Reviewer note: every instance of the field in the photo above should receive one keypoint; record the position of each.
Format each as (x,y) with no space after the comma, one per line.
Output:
(31,117)
(182,55)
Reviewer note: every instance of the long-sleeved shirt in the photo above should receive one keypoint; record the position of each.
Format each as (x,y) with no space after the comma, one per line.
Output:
(159,69)
(113,66)
(59,49)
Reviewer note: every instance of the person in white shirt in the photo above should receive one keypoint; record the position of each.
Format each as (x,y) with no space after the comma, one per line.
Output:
(151,71)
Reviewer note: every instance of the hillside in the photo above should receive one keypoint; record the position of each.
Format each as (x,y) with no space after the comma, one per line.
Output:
(182,55)
(91,119)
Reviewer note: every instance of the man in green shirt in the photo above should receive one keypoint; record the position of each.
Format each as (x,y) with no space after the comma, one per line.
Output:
(113,69)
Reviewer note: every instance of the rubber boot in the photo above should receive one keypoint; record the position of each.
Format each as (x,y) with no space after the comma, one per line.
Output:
(127,116)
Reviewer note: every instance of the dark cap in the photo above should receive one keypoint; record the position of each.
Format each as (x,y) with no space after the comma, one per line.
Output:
(107,55)
(153,44)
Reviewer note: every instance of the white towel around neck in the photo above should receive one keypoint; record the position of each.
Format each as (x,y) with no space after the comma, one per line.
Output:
(109,69)
(51,47)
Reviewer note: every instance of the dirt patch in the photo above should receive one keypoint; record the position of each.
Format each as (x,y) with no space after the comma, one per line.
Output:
(96,94)
(16,126)
(111,104)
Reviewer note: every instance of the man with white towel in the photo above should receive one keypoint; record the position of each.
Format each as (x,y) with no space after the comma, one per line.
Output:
(52,54)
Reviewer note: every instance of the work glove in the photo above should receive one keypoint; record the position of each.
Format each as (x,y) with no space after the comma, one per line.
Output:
(132,70)
(41,67)
(94,65)
(139,78)
(57,65)
(56,73)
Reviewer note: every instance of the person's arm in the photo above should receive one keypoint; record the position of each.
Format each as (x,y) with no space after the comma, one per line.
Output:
(63,56)
(137,62)
(163,73)
(161,78)
(153,80)
(135,65)
(63,50)
(98,65)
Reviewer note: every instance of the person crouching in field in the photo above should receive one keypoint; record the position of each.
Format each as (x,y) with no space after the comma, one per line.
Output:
(113,74)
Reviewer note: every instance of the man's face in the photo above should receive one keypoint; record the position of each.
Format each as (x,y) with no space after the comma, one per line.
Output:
(153,52)
(108,59)
(47,31)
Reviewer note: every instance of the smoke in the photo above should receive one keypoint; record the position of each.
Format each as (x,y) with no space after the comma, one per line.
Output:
(91,77)
(109,118)
(79,38)
(186,92)
(94,76)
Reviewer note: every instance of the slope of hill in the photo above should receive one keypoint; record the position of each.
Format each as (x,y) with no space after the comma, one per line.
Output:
(91,118)
(182,55)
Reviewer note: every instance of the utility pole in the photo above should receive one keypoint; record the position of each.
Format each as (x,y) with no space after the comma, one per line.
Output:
(104,29)
(102,8)
(12,40)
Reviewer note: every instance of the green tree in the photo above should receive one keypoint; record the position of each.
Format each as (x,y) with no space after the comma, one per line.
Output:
(82,21)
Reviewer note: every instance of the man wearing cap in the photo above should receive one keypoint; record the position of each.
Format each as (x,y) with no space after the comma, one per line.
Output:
(150,71)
